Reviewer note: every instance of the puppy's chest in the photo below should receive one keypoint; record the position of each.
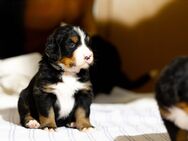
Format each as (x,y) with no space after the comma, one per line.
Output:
(65,92)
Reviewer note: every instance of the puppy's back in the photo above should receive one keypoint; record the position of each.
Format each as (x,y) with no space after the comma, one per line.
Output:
(172,85)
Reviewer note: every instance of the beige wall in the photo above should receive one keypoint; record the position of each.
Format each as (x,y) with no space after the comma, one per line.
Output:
(147,33)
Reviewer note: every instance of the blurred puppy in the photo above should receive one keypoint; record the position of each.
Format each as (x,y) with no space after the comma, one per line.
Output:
(172,97)
(60,94)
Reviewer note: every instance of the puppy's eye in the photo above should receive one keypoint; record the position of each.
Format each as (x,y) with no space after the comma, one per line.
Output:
(72,45)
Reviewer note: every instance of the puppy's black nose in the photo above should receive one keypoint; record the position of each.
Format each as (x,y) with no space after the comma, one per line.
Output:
(87,57)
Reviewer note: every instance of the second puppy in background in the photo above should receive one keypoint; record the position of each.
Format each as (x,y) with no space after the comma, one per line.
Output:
(60,94)
(172,97)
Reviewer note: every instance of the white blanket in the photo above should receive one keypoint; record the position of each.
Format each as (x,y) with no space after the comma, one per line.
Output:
(16,72)
(110,120)
(137,120)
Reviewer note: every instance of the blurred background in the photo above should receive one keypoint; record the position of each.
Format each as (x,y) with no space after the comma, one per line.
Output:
(148,34)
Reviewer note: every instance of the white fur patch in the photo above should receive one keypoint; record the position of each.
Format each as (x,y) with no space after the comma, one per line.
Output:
(33,124)
(179,117)
(82,51)
(65,93)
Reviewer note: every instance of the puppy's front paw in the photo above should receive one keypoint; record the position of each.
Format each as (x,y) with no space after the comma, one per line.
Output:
(49,129)
(48,126)
(48,122)
(33,124)
(83,125)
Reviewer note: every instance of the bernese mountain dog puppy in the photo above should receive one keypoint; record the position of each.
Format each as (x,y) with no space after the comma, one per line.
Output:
(172,97)
(60,94)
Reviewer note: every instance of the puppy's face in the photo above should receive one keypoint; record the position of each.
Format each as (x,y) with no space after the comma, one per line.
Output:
(69,48)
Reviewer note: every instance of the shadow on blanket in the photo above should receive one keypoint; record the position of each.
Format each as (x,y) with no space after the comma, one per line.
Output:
(10,115)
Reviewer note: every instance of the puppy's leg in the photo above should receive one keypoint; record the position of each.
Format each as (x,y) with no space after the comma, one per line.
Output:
(26,119)
(44,104)
(82,121)
(82,111)
(49,120)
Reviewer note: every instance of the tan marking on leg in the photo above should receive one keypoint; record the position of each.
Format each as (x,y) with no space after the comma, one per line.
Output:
(48,88)
(82,121)
(182,135)
(48,121)
(28,117)
(183,106)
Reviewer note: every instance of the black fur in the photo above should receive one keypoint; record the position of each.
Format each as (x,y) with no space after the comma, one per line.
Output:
(12,28)
(34,100)
(172,86)
(106,72)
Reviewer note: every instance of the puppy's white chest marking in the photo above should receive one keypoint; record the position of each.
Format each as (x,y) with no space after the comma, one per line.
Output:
(179,117)
(65,93)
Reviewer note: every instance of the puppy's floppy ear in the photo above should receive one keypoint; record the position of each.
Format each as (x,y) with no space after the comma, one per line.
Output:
(52,49)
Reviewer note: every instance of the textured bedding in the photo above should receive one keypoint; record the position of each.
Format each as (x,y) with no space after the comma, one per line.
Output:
(135,120)
(122,116)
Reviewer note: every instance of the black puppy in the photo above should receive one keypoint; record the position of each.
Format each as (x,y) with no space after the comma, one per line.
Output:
(107,73)
(60,94)
(172,97)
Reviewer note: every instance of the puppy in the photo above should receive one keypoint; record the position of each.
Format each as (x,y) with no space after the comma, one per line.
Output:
(60,94)
(108,69)
(172,97)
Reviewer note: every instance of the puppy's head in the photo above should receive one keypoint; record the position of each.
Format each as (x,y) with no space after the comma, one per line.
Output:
(68,47)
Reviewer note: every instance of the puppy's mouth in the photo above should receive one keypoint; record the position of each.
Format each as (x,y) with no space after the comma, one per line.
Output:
(86,63)
(71,65)
(75,65)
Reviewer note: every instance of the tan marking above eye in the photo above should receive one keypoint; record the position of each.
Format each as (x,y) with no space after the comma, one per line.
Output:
(74,39)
